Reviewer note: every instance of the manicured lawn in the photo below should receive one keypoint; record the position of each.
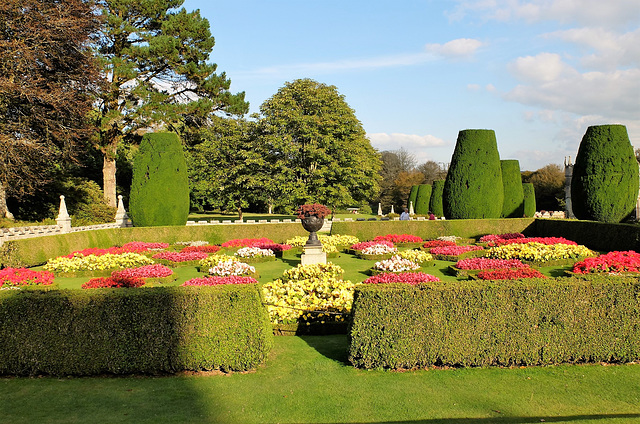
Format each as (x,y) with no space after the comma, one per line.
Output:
(307,380)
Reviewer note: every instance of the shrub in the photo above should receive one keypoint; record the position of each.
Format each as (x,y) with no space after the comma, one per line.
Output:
(473,188)
(160,187)
(604,184)
(421,207)
(435,204)
(413,195)
(529,202)
(513,203)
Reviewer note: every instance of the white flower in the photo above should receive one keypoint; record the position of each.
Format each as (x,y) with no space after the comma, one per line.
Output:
(396,264)
(231,267)
(378,249)
(254,252)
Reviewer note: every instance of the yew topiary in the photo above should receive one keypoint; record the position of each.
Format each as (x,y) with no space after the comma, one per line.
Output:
(473,187)
(512,205)
(412,197)
(422,199)
(435,204)
(604,185)
(160,186)
(529,202)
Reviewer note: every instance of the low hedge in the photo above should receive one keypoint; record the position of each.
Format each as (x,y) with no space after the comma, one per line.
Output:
(36,251)
(595,235)
(124,331)
(481,323)
(428,230)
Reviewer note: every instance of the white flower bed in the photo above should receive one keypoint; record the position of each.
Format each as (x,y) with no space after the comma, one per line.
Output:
(254,252)
(396,264)
(379,249)
(449,238)
(231,267)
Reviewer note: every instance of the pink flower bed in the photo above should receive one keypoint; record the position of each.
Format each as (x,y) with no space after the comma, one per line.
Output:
(208,248)
(628,261)
(24,277)
(438,243)
(247,242)
(364,244)
(412,278)
(133,247)
(217,281)
(510,274)
(111,282)
(274,247)
(487,263)
(495,237)
(543,240)
(180,256)
(142,246)
(453,250)
(147,271)
(399,238)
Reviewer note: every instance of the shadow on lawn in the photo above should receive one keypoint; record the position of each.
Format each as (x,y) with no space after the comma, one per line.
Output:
(333,347)
(510,420)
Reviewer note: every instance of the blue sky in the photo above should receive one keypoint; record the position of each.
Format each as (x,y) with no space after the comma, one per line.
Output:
(537,72)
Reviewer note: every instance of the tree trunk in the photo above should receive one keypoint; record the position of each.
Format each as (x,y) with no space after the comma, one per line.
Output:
(240,213)
(109,173)
(4,210)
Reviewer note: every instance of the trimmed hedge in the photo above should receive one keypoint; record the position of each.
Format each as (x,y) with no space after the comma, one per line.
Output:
(513,204)
(595,235)
(529,202)
(412,197)
(435,204)
(421,207)
(160,186)
(124,331)
(473,187)
(481,323)
(37,251)
(604,184)
(465,228)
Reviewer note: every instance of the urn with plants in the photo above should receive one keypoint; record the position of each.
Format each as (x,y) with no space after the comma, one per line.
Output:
(312,218)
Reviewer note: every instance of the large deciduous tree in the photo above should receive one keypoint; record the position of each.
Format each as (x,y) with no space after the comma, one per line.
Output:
(323,143)
(154,55)
(47,75)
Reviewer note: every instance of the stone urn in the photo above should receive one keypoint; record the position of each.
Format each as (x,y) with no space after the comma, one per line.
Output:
(312,224)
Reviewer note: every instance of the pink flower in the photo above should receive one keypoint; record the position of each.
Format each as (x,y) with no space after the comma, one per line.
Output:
(453,250)
(438,243)
(216,281)
(105,282)
(495,237)
(208,248)
(486,263)
(616,261)
(247,242)
(399,238)
(180,256)
(25,277)
(364,244)
(147,271)
(510,274)
(412,278)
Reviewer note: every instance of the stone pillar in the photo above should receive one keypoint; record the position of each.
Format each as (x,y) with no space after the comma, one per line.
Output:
(411,211)
(63,220)
(379,209)
(392,209)
(122,219)
(568,173)
(313,255)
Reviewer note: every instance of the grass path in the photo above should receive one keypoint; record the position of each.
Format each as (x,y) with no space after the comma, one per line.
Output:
(307,380)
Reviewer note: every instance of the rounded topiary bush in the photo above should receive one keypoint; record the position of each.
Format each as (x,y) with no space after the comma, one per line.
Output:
(604,185)
(412,197)
(529,202)
(512,205)
(473,187)
(435,204)
(422,199)
(160,186)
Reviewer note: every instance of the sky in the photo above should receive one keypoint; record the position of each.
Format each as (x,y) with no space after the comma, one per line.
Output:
(416,72)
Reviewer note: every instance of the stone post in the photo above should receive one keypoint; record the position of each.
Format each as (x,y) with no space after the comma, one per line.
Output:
(63,220)
(411,211)
(122,219)
(379,209)
(568,173)
(392,209)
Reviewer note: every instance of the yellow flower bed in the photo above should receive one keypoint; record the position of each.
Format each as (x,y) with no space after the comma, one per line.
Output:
(212,261)
(418,256)
(97,263)
(538,252)
(330,244)
(306,294)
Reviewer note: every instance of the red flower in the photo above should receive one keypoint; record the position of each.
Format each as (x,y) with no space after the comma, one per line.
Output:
(216,281)
(208,248)
(487,263)
(412,278)
(314,209)
(453,250)
(510,274)
(147,271)
(247,242)
(438,243)
(180,256)
(105,282)
(616,261)
(25,277)
(399,238)
(364,244)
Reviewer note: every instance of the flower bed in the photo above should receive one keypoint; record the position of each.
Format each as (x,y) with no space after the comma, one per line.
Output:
(510,274)
(472,266)
(209,248)
(364,244)
(418,256)
(255,254)
(156,273)
(411,278)
(395,264)
(247,242)
(496,237)
(179,258)
(112,282)
(540,240)
(377,252)
(539,253)
(92,264)
(438,243)
(218,281)
(232,267)
(455,253)
(399,238)
(20,277)
(612,262)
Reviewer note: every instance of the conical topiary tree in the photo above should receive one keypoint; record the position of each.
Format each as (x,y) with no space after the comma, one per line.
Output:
(160,185)
(473,187)
(422,199)
(435,204)
(512,205)
(604,184)
(529,202)
(412,197)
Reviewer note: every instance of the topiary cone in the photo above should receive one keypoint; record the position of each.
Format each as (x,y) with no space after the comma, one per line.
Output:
(422,199)
(435,204)
(529,202)
(513,203)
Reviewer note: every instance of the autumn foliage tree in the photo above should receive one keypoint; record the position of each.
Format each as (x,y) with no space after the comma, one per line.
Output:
(47,77)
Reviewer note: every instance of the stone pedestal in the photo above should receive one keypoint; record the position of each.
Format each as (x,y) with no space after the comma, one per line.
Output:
(313,255)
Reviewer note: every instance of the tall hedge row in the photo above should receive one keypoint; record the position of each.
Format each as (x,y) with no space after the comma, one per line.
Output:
(435,204)
(123,331)
(529,199)
(473,187)
(513,203)
(160,185)
(604,185)
(421,206)
(480,323)
(412,197)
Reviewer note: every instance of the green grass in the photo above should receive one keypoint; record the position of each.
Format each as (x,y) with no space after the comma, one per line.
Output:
(306,380)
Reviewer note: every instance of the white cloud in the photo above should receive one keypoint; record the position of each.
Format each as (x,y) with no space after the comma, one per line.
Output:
(455,49)
(394,141)
(473,87)
(544,67)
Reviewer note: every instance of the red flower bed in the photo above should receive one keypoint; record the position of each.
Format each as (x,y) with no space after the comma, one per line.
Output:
(142,246)
(208,248)
(453,250)
(438,243)
(510,274)
(275,247)
(399,238)
(217,281)
(147,271)
(487,263)
(105,282)
(412,278)
(180,256)
(134,247)
(364,244)
(495,237)
(24,277)
(616,261)
(544,240)
(247,242)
